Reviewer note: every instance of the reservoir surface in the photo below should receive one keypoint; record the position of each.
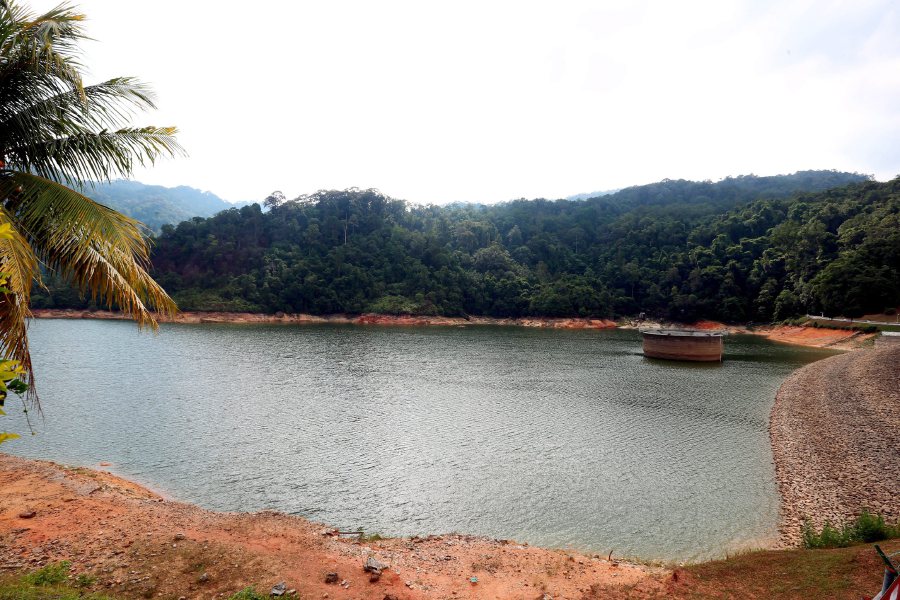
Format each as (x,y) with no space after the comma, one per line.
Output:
(553,437)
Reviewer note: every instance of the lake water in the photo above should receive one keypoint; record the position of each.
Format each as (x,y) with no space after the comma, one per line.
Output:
(557,438)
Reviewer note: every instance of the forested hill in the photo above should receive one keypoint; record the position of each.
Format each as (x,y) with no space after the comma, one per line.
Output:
(155,205)
(743,249)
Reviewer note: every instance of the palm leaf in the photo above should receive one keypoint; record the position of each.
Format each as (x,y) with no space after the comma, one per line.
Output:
(102,251)
(20,267)
(87,156)
(48,43)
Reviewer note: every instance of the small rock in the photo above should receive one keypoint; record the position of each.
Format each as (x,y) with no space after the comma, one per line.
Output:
(331,577)
(278,589)
(390,597)
(28,514)
(373,566)
(204,578)
(292,592)
(179,537)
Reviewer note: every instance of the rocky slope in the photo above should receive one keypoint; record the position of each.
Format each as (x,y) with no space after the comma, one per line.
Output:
(835,430)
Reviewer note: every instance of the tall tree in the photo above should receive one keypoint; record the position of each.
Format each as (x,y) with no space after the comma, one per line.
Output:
(55,134)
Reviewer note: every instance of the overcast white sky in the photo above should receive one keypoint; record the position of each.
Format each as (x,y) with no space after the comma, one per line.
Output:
(488,101)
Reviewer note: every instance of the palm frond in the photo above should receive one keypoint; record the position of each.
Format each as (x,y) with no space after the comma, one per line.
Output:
(89,156)
(43,114)
(103,252)
(48,43)
(20,267)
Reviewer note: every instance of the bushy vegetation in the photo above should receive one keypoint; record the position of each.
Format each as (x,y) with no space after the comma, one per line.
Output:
(52,574)
(867,528)
(742,249)
(48,583)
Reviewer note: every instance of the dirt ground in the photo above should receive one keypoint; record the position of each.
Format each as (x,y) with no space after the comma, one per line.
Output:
(139,545)
(836,339)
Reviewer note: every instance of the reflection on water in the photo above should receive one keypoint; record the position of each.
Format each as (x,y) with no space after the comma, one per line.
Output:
(558,438)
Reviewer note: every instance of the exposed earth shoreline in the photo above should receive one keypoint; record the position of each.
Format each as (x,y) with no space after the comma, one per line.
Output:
(835,431)
(838,339)
(139,544)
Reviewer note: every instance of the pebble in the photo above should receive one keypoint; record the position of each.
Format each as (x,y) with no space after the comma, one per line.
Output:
(278,589)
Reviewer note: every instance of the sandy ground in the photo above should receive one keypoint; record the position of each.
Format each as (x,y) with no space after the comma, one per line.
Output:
(835,430)
(139,545)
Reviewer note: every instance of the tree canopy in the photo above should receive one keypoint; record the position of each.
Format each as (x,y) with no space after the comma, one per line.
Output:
(743,249)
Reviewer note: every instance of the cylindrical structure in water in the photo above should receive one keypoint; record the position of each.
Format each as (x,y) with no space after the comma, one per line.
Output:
(681,344)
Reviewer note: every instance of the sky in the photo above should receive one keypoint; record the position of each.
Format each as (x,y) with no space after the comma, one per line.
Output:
(494,100)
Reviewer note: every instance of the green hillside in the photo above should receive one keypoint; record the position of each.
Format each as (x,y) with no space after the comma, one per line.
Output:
(742,249)
(155,205)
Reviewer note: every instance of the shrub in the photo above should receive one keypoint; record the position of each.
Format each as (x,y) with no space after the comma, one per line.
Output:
(872,528)
(867,527)
(53,574)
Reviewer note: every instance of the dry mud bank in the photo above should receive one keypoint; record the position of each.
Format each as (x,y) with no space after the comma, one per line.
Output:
(816,337)
(835,430)
(139,545)
(364,319)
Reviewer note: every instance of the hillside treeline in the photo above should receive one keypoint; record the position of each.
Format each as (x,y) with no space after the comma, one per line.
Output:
(742,249)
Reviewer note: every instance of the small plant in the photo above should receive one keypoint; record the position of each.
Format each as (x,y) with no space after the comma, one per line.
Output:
(248,593)
(872,528)
(867,527)
(84,580)
(53,574)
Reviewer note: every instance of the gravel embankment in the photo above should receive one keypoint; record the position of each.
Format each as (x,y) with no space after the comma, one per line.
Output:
(835,431)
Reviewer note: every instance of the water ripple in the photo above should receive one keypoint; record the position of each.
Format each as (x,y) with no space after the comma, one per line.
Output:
(561,438)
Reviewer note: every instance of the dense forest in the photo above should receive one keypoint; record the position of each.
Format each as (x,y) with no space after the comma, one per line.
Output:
(742,249)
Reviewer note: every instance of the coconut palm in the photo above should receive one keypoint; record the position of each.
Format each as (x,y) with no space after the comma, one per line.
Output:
(56,137)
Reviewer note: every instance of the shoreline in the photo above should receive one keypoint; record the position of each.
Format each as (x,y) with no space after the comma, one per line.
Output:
(835,436)
(140,544)
(194,317)
(813,337)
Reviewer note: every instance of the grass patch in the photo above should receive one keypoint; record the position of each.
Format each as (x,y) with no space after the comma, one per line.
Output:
(53,574)
(48,583)
(248,593)
(867,527)
(837,573)
(371,537)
